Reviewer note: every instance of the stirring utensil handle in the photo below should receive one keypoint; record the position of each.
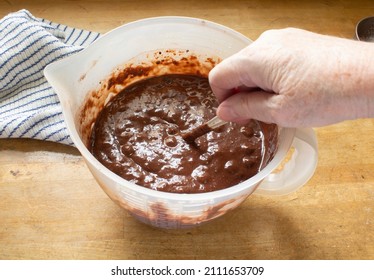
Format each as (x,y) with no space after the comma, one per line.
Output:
(215,122)
(203,129)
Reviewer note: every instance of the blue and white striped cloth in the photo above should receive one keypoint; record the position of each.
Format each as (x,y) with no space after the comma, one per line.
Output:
(29,108)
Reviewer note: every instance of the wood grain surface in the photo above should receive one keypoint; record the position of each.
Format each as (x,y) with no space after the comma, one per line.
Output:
(52,208)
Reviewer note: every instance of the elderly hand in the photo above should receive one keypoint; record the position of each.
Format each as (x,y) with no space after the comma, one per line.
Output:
(296,78)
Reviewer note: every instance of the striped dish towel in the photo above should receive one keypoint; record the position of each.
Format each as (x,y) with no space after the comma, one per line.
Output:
(29,108)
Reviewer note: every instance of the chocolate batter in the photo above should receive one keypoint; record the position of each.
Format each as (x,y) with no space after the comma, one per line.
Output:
(137,135)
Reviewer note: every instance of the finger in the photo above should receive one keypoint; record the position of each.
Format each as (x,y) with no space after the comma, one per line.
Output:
(231,73)
(243,106)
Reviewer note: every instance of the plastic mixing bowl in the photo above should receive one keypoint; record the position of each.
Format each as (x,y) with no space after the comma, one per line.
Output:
(82,78)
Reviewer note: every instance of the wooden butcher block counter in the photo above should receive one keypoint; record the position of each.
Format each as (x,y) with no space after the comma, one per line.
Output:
(52,208)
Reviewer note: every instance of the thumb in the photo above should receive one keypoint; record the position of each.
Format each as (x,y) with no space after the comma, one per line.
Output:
(243,106)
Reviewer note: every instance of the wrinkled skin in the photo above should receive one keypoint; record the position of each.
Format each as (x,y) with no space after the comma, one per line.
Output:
(296,78)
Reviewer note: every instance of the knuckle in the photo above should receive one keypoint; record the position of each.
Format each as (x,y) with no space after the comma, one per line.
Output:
(279,112)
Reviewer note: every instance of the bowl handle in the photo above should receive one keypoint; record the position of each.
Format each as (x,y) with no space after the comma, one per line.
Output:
(297,167)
